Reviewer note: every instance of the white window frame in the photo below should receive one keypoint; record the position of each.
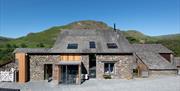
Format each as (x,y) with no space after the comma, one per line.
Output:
(109,72)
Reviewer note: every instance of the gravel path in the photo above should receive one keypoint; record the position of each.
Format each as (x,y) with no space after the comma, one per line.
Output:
(138,84)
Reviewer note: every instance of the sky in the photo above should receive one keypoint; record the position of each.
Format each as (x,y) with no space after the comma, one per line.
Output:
(151,17)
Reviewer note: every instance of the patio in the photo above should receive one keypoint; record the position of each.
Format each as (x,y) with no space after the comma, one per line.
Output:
(166,83)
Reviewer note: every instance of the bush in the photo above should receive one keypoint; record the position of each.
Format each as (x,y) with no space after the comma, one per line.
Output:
(23,45)
(40,45)
(107,76)
(135,70)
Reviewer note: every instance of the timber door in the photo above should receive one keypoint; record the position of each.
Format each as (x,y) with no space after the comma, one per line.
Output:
(69,74)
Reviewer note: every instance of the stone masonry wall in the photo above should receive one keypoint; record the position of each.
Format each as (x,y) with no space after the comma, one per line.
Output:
(123,65)
(85,63)
(37,65)
(153,73)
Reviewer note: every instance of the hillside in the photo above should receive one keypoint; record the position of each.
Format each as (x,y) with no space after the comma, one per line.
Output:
(171,41)
(135,36)
(4,39)
(47,38)
(170,36)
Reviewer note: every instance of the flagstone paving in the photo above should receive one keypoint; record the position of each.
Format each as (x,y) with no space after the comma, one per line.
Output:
(170,83)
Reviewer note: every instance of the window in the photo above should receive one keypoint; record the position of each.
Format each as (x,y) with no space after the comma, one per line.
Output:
(108,68)
(72,46)
(112,45)
(92,44)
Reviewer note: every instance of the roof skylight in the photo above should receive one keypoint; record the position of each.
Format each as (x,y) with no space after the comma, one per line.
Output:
(112,45)
(72,46)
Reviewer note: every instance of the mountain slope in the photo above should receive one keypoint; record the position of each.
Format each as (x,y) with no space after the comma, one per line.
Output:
(4,39)
(137,37)
(47,38)
(170,36)
(171,41)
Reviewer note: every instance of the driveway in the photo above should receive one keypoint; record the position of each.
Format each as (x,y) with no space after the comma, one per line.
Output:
(169,83)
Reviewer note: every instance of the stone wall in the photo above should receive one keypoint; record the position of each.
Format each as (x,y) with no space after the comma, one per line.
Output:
(155,73)
(85,63)
(123,65)
(37,65)
(8,66)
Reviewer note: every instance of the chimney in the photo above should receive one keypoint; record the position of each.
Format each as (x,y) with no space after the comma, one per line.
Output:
(114,27)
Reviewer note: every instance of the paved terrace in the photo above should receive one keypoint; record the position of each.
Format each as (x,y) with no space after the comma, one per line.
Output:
(167,83)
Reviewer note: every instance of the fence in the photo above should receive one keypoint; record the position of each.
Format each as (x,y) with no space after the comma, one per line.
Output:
(7,75)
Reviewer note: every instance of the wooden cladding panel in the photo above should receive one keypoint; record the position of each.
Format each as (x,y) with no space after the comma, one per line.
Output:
(70,57)
(56,72)
(59,75)
(77,57)
(22,66)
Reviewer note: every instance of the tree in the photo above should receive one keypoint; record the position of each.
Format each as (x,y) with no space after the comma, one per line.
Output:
(132,40)
(23,45)
(40,45)
(14,46)
(8,46)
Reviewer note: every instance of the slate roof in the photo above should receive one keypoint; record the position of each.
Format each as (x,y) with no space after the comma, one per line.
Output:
(33,50)
(83,37)
(149,54)
(154,60)
(157,48)
(177,61)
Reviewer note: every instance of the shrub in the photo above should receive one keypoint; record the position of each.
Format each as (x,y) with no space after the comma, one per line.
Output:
(107,76)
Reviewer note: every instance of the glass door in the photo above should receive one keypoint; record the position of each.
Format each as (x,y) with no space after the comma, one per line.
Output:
(69,74)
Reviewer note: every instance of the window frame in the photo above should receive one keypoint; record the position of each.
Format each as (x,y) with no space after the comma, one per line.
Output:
(92,44)
(112,46)
(110,65)
(72,46)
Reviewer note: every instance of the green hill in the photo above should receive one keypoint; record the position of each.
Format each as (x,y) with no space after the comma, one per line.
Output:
(135,36)
(4,39)
(47,38)
(171,41)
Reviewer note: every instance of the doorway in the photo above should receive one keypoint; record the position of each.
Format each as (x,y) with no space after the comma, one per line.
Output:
(69,74)
(92,66)
(48,72)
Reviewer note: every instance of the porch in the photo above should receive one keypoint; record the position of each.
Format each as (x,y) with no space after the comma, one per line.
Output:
(67,72)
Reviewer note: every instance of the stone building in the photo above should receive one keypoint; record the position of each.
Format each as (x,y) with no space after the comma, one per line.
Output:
(177,62)
(100,54)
